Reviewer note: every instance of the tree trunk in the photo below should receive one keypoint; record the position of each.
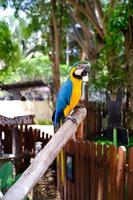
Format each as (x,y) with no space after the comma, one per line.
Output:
(55,53)
(130,89)
(129,59)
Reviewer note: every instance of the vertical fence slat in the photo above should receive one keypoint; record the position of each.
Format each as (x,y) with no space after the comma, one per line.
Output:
(121,173)
(105,172)
(113,172)
(92,172)
(99,172)
(17,149)
(130,173)
(73,183)
(87,171)
(67,188)
(81,163)
(30,134)
(65,181)
(69,183)
(21,137)
(58,162)
(77,171)
(8,139)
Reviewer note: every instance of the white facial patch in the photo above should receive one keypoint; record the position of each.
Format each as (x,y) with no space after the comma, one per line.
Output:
(85,79)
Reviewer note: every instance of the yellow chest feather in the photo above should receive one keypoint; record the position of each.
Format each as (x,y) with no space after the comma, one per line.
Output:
(75,97)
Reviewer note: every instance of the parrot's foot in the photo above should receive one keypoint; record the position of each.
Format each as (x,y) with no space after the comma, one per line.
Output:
(72,119)
(80,106)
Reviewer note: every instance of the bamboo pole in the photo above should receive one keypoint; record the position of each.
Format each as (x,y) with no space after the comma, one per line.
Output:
(40,164)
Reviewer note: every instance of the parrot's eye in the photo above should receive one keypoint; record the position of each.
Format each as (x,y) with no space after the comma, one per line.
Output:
(81,66)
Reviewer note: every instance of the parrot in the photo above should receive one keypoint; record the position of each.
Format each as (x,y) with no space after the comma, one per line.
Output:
(70,92)
(67,99)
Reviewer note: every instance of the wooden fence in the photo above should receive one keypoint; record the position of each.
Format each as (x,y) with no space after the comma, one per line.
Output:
(20,141)
(96,172)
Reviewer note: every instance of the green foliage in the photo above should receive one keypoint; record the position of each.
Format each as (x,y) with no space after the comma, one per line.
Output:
(110,65)
(9,50)
(25,30)
(29,69)
(6,173)
(32,69)
(118,21)
(103,78)
(44,122)
(130,8)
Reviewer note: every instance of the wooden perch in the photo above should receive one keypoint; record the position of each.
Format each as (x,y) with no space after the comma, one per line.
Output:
(44,159)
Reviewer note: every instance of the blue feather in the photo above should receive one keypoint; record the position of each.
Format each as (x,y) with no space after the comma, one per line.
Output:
(63,99)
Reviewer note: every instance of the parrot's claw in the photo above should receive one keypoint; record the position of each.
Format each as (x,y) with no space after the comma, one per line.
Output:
(72,119)
(80,106)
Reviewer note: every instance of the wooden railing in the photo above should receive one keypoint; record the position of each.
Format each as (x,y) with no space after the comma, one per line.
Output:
(20,141)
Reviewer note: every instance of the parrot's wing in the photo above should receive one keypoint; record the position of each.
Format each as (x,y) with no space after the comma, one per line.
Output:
(63,99)
(66,92)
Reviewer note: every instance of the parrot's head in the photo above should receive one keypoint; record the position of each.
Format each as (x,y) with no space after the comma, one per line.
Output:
(80,69)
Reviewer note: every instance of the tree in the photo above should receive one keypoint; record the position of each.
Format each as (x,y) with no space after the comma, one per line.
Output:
(55,56)
(97,34)
(81,14)
(112,23)
(39,13)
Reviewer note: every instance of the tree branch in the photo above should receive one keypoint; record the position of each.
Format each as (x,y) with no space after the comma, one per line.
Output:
(87,45)
(76,32)
(88,14)
(99,8)
(82,24)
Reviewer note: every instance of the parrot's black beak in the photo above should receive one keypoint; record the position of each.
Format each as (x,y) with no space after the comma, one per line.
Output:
(86,71)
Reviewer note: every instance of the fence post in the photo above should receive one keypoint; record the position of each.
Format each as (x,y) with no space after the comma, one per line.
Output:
(113,172)
(130,174)
(82,172)
(106,152)
(77,170)
(99,173)
(93,171)
(121,167)
(87,170)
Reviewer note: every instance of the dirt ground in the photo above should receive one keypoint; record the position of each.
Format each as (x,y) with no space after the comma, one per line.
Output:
(46,188)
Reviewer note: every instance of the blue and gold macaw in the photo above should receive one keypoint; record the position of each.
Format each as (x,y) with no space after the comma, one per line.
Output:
(70,92)
(67,99)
